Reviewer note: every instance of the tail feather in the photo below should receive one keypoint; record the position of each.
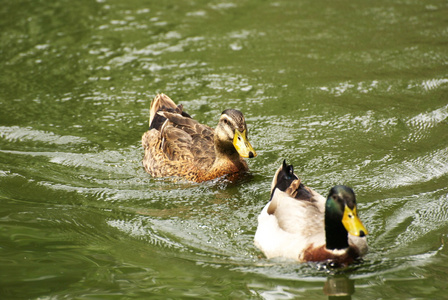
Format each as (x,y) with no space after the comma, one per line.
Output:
(160,102)
(163,103)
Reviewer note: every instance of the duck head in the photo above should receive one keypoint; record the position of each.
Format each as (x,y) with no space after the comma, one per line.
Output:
(231,134)
(341,217)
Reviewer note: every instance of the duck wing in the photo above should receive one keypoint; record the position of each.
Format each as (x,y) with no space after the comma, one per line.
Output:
(288,226)
(299,191)
(287,181)
(184,138)
(296,216)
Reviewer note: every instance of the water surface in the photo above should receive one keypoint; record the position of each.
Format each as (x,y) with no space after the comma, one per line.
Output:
(351,93)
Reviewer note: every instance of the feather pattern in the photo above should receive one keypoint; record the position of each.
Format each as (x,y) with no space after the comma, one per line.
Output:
(178,145)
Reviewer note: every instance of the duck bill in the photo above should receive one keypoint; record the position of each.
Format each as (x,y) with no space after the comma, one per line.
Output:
(242,145)
(352,223)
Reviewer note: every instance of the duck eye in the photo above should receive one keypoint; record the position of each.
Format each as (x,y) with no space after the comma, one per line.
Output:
(226,121)
(338,200)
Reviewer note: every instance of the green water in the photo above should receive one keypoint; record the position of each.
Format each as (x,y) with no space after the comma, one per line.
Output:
(350,92)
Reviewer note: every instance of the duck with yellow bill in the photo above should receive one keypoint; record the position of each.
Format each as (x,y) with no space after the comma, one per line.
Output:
(177,145)
(300,224)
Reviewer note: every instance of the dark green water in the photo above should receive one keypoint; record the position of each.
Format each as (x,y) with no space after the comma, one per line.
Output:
(350,92)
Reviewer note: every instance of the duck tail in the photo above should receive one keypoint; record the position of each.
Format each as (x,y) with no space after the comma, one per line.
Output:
(160,102)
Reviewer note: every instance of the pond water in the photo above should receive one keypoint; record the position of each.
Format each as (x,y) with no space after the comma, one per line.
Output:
(350,92)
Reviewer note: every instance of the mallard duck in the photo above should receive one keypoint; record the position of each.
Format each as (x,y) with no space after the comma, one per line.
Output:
(300,224)
(177,145)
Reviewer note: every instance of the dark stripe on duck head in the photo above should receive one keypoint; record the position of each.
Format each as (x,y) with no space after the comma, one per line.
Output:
(237,117)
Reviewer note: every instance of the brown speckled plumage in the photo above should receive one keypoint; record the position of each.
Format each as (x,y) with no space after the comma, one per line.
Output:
(177,145)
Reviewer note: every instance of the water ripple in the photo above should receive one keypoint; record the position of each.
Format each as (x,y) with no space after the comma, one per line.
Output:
(421,169)
(16,133)
(433,83)
(143,229)
(421,123)
(413,218)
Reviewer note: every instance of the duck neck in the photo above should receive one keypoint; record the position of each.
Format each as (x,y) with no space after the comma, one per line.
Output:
(335,233)
(227,159)
(225,150)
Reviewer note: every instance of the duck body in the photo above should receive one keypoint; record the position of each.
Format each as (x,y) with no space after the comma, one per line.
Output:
(177,145)
(300,224)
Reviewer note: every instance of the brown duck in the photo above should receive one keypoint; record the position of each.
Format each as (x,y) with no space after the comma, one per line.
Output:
(177,145)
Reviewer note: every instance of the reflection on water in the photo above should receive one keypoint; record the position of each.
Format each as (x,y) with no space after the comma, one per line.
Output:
(339,287)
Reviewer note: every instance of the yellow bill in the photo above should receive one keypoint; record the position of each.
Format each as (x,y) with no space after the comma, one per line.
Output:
(242,145)
(352,223)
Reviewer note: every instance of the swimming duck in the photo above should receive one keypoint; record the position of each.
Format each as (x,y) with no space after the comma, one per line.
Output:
(177,145)
(300,224)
